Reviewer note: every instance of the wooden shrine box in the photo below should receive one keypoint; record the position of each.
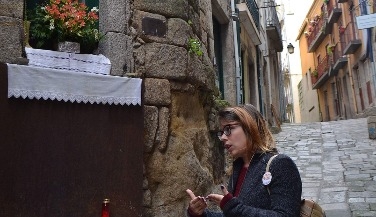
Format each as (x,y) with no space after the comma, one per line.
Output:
(61,159)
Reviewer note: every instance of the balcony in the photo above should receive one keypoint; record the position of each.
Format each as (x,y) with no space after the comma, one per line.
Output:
(349,38)
(273,27)
(322,73)
(253,8)
(249,18)
(334,12)
(342,1)
(318,30)
(339,59)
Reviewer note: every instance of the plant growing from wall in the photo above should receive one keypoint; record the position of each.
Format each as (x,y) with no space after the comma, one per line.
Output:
(194,46)
(220,103)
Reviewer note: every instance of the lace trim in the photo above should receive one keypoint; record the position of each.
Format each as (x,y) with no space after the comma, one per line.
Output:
(97,64)
(17,93)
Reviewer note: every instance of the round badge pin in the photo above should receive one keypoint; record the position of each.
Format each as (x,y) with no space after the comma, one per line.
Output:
(266,178)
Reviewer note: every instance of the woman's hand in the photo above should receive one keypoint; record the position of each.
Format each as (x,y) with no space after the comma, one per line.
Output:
(216,198)
(198,204)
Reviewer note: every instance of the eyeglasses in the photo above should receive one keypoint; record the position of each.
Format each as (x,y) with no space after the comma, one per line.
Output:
(226,130)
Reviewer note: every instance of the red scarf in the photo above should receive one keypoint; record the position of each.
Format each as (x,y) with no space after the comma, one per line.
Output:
(240,181)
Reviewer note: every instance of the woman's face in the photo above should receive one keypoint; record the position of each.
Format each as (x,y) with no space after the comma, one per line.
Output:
(235,141)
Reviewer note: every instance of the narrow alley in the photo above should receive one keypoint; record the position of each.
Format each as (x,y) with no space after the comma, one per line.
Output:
(337,163)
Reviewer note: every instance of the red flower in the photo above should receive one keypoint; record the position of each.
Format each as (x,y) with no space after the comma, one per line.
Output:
(69,17)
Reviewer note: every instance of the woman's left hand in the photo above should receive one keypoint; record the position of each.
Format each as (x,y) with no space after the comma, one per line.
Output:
(216,198)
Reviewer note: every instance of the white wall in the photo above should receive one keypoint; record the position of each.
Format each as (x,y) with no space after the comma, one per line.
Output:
(294,12)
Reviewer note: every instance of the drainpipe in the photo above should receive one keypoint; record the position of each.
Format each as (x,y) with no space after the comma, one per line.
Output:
(374,78)
(236,49)
(259,79)
(353,91)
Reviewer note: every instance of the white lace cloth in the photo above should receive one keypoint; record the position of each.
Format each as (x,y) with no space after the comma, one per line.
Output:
(54,84)
(98,64)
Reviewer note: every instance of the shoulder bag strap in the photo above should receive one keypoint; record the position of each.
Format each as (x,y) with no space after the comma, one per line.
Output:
(267,168)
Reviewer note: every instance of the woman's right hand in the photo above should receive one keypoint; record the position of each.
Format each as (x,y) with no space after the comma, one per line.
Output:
(197,205)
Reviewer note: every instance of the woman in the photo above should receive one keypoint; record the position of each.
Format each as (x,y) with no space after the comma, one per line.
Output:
(248,140)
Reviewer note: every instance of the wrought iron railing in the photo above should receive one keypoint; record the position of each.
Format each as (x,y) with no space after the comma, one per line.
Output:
(316,27)
(272,17)
(323,66)
(330,7)
(338,51)
(347,33)
(254,10)
(321,69)
(313,79)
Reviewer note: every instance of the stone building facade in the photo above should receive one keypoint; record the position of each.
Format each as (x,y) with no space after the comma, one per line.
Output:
(240,43)
(11,30)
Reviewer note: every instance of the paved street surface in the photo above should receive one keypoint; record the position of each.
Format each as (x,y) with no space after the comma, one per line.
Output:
(337,163)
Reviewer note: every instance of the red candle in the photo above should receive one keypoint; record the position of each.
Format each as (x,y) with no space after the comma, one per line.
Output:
(106,208)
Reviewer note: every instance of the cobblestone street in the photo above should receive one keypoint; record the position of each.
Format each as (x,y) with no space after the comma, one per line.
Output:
(337,163)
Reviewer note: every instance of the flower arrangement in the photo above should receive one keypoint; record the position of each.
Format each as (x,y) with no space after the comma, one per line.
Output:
(64,20)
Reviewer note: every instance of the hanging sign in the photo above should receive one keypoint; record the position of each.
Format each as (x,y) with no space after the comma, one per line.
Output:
(366,21)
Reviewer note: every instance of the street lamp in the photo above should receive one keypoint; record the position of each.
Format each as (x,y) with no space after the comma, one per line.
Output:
(290,48)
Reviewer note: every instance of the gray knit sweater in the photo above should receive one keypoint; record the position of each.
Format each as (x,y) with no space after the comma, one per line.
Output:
(254,199)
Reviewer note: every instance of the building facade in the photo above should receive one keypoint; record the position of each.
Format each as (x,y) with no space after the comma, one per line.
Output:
(240,43)
(339,59)
(293,13)
(257,46)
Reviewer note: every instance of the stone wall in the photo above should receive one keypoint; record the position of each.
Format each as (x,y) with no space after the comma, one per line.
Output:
(11,30)
(179,89)
(117,44)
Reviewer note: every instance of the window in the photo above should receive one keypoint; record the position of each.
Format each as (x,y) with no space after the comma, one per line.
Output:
(217,30)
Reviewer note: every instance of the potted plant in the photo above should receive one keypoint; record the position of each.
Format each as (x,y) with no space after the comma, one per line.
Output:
(315,73)
(322,13)
(330,49)
(323,28)
(64,20)
(341,29)
(310,28)
(317,18)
